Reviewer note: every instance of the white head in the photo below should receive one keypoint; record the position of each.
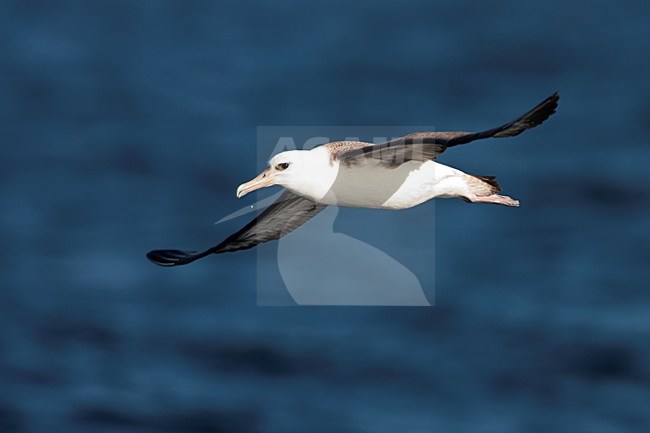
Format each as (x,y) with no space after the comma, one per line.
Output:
(290,169)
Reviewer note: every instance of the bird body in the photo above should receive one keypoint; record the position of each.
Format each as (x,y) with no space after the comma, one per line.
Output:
(369,186)
(396,174)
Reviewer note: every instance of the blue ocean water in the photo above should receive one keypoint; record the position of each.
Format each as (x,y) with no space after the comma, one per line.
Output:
(127,126)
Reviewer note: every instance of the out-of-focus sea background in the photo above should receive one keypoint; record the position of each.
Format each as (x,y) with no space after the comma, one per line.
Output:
(127,126)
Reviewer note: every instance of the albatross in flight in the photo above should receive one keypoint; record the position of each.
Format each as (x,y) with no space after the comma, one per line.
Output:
(396,174)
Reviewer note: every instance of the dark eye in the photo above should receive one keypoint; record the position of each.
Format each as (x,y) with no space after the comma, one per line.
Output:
(282,166)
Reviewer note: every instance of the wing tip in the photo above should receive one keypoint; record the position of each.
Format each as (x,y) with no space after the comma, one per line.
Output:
(533,118)
(547,108)
(168,258)
(553,103)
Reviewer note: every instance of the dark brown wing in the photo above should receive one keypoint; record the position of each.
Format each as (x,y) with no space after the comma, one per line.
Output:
(424,146)
(286,214)
(531,119)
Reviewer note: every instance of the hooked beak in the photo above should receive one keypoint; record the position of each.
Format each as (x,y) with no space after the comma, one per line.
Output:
(264,179)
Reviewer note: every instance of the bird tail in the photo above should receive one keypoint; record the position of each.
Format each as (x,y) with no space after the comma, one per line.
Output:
(485,189)
(484,185)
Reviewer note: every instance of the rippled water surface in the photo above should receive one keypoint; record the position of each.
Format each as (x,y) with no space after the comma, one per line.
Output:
(127,126)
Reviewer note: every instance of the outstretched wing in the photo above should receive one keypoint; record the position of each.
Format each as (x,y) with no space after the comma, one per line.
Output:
(286,214)
(424,146)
